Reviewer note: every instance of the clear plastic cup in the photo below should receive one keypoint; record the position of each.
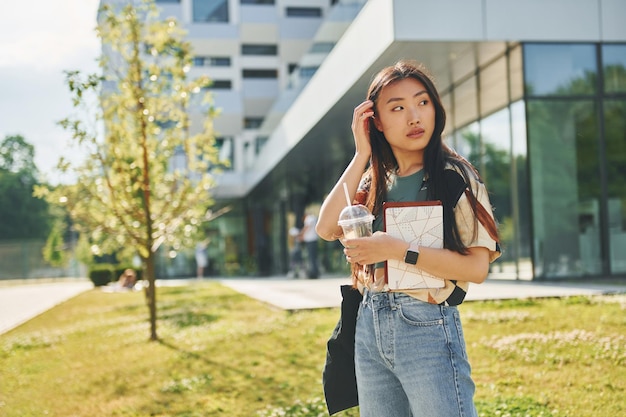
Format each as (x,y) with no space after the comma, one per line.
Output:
(356,221)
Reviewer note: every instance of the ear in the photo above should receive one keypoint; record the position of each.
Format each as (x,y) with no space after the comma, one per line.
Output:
(377,123)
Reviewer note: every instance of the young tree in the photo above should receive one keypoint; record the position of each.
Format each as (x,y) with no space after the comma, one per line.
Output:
(146,179)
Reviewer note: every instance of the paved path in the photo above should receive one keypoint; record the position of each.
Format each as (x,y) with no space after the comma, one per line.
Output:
(294,294)
(20,303)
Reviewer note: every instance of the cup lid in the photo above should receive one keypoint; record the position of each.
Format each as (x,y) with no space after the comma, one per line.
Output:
(354,214)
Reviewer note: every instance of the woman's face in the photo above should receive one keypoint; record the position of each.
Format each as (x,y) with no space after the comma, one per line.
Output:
(406,116)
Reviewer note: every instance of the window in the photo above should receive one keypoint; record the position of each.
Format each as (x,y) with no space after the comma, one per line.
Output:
(614,68)
(516,78)
(322,47)
(304,12)
(307,72)
(495,169)
(210,10)
(615,122)
(259,142)
(252,122)
(257,1)
(465,103)
(564,168)
(226,152)
(260,73)
(221,85)
(560,69)
(493,87)
(291,68)
(259,49)
(211,61)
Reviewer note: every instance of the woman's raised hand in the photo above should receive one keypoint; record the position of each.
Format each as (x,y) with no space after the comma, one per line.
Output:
(361,127)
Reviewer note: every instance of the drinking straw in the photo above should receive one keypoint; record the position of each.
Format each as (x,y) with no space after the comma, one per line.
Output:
(345,190)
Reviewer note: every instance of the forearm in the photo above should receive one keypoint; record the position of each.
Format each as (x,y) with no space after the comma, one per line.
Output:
(444,263)
(327,227)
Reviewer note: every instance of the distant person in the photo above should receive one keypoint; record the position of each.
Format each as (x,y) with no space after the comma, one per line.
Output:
(296,265)
(202,258)
(128,279)
(309,238)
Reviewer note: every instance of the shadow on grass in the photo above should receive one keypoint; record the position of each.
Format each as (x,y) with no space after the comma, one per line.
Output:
(182,319)
(202,358)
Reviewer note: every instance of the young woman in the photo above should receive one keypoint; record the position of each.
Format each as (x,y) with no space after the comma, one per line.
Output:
(410,356)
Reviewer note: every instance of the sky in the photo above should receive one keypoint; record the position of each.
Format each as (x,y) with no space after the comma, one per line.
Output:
(39,40)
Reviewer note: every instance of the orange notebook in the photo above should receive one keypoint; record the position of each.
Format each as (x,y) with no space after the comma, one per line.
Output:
(414,222)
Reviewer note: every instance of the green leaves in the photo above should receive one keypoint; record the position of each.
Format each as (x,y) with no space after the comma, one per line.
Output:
(148,170)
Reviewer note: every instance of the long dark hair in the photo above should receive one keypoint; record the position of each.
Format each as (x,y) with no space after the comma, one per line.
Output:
(437,155)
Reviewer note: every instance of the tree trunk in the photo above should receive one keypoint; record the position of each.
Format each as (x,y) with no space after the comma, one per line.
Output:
(151,295)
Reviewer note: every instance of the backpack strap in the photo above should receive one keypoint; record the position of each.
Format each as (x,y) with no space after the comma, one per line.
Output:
(455,188)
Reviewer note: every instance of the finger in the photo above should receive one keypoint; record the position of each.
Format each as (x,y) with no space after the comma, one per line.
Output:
(363,111)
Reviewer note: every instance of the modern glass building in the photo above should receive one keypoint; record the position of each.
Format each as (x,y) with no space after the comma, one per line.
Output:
(536,98)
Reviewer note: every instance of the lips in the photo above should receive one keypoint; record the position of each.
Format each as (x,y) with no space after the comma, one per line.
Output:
(416,133)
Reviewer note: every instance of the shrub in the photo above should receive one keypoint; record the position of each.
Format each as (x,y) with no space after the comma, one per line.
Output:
(102,274)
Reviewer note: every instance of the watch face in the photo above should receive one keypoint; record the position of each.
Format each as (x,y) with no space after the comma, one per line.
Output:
(411,257)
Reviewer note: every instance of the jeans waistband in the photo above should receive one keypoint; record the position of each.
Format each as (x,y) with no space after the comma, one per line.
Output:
(385,297)
(391,299)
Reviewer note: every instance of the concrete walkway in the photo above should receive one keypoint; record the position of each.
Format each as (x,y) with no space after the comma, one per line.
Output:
(296,294)
(21,302)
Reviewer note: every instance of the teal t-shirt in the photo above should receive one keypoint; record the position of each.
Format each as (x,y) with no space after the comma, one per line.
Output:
(402,189)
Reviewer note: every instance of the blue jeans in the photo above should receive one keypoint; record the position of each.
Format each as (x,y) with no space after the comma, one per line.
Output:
(410,359)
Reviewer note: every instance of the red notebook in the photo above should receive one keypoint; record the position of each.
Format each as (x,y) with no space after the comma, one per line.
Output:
(414,222)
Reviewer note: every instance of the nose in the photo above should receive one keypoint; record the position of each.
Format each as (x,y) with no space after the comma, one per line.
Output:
(413,116)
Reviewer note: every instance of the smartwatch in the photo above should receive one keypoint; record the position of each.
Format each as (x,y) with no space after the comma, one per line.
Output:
(412,253)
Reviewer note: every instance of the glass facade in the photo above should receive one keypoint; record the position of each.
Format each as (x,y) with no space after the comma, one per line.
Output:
(577,158)
(564,169)
(494,141)
(615,131)
(545,124)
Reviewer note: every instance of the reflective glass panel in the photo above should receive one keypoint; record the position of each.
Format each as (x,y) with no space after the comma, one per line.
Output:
(259,49)
(257,1)
(563,150)
(466,102)
(467,143)
(304,12)
(516,79)
(495,169)
(615,129)
(521,193)
(560,69)
(493,87)
(614,68)
(447,105)
(488,51)
(210,10)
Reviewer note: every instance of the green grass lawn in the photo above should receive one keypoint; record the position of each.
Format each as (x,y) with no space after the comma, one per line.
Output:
(223,354)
